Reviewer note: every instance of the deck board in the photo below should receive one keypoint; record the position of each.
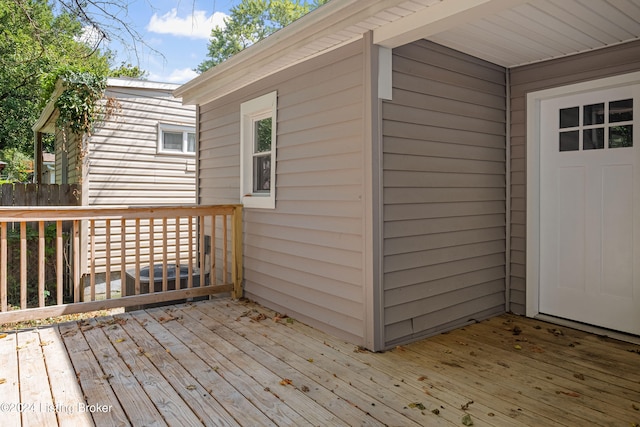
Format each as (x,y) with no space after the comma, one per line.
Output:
(62,380)
(9,382)
(32,370)
(224,362)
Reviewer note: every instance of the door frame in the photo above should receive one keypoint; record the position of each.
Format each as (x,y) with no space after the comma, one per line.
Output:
(534,100)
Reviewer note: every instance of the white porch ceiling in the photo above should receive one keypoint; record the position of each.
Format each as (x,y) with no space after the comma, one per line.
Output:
(509,33)
(539,30)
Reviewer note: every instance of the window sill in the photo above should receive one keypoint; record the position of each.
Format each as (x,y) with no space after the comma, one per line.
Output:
(259,201)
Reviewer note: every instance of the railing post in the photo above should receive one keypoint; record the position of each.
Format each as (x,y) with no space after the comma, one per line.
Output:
(236,249)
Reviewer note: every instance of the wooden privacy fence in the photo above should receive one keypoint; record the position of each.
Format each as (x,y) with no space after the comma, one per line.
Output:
(185,252)
(17,194)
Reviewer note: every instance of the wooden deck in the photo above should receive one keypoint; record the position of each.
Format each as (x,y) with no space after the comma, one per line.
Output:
(221,362)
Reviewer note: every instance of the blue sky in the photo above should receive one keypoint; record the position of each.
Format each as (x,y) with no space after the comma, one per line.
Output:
(178,29)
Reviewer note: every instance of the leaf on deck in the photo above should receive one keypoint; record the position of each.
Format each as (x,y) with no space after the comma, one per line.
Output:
(3,380)
(466,420)
(286,381)
(417,405)
(191,387)
(466,405)
(3,336)
(121,340)
(258,317)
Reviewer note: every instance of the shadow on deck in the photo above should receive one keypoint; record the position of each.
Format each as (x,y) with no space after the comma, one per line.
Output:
(223,362)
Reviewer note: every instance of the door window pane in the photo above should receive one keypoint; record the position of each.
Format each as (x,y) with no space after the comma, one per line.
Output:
(569,141)
(594,114)
(569,117)
(621,111)
(621,136)
(593,139)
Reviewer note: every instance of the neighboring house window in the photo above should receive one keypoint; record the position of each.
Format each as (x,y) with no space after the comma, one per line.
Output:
(258,152)
(173,139)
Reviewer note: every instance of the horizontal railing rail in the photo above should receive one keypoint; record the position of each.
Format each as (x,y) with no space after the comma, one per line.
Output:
(51,258)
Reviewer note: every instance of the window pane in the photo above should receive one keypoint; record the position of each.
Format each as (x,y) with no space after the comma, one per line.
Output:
(593,139)
(621,136)
(569,117)
(621,111)
(594,114)
(172,141)
(262,135)
(569,141)
(191,142)
(261,174)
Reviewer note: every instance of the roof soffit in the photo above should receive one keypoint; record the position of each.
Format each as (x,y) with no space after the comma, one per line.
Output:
(505,32)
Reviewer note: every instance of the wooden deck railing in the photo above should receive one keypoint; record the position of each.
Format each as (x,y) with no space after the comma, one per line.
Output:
(41,249)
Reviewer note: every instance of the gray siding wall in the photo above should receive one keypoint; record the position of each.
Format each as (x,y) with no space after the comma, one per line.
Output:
(444,192)
(305,257)
(579,68)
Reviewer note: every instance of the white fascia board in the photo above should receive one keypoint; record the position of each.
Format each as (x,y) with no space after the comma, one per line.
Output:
(48,110)
(436,19)
(140,84)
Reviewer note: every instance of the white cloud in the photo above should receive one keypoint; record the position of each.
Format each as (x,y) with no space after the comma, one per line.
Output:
(181,75)
(90,36)
(197,25)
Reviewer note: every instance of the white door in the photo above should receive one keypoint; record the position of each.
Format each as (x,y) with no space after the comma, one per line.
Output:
(590,208)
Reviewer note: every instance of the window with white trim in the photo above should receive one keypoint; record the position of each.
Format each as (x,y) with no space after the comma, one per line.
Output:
(176,139)
(258,152)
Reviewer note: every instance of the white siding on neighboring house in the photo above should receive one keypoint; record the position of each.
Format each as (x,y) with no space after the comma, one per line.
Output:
(123,166)
(304,258)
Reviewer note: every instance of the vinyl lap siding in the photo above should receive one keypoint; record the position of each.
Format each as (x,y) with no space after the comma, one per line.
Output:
(305,257)
(602,63)
(444,192)
(125,167)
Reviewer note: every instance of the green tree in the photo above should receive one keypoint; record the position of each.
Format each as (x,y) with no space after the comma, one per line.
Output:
(35,47)
(128,70)
(18,167)
(251,21)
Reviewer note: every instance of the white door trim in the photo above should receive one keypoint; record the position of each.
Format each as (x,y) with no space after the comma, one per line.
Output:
(534,100)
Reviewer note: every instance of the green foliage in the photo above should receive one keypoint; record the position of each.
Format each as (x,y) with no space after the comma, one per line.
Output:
(249,22)
(128,70)
(36,47)
(78,105)
(18,165)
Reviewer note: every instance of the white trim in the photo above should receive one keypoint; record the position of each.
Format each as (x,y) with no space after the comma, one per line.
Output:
(385,73)
(534,100)
(259,108)
(113,82)
(175,128)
